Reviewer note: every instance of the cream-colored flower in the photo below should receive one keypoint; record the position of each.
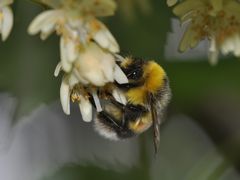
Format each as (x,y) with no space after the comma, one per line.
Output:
(68,92)
(76,29)
(87,49)
(216,20)
(72,90)
(96,67)
(93,68)
(6,18)
(76,33)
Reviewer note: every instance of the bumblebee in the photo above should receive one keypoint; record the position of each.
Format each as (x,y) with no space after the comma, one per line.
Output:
(147,96)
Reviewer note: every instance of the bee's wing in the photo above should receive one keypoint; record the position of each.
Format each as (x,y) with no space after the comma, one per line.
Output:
(156,122)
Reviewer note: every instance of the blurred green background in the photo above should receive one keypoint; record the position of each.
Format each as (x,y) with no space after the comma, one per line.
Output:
(200,138)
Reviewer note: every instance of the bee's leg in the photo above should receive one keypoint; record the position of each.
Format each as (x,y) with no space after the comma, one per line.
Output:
(133,112)
(121,129)
(122,107)
(129,85)
(117,104)
(108,119)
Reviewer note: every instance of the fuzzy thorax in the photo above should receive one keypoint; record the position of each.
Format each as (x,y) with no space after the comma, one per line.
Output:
(153,81)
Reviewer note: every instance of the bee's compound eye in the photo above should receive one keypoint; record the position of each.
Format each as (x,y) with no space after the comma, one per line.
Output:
(135,75)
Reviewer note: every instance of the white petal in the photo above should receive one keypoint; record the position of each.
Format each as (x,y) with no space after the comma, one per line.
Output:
(71,51)
(224,47)
(72,80)
(106,40)
(119,75)
(235,41)
(66,65)
(237,49)
(5,2)
(86,109)
(122,97)
(96,101)
(7,22)
(119,96)
(47,30)
(231,44)
(213,58)
(65,96)
(79,77)
(108,64)
(213,46)
(1,22)
(213,52)
(118,57)
(89,65)
(44,19)
(116,95)
(57,69)
(73,33)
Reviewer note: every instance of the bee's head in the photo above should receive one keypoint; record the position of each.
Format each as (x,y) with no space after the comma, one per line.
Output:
(133,68)
(149,73)
(146,77)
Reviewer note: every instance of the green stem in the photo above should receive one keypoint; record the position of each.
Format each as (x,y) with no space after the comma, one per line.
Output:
(144,160)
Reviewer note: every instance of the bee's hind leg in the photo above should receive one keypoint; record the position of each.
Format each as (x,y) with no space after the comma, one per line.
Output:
(117,104)
(109,120)
(120,129)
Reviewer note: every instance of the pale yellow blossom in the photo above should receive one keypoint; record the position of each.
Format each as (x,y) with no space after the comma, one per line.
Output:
(216,20)
(87,49)
(6,18)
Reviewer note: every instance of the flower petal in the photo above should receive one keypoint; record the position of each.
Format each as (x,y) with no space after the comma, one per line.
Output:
(105,39)
(119,96)
(5,2)
(57,69)
(118,57)
(86,109)
(43,20)
(71,51)
(237,46)
(65,96)
(66,65)
(213,52)
(47,30)
(96,101)
(79,77)
(119,76)
(107,64)
(89,65)
(72,80)
(7,22)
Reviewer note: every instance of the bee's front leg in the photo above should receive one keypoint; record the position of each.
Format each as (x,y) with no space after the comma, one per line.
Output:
(129,85)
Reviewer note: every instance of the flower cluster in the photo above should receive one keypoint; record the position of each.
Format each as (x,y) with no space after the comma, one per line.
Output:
(216,20)
(87,49)
(6,18)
